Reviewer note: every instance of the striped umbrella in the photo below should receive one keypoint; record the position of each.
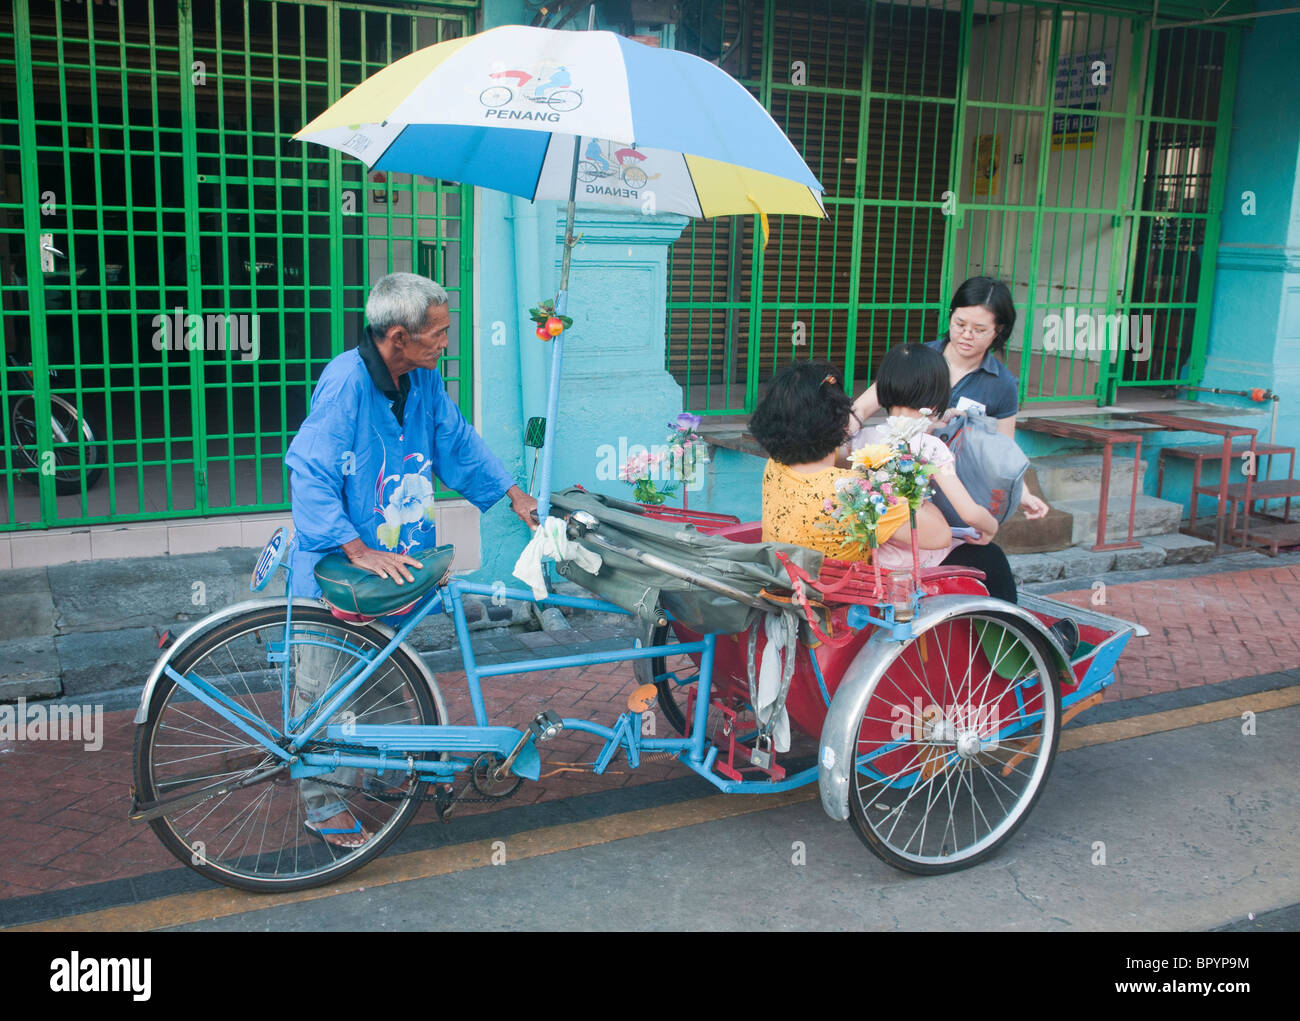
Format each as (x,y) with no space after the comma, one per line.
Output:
(536,112)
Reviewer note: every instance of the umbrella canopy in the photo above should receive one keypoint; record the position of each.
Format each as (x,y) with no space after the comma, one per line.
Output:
(503,110)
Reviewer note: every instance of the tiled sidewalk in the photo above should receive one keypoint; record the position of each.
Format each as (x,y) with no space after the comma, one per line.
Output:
(64,809)
(1204,629)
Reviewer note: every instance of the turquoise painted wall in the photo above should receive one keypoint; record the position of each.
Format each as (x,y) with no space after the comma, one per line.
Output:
(1255,328)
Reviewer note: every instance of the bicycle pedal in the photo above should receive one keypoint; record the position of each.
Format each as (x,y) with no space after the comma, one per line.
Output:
(546,725)
(443,801)
(643,698)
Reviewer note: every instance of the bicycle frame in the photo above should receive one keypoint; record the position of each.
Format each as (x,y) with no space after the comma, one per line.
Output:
(456,746)
(398,744)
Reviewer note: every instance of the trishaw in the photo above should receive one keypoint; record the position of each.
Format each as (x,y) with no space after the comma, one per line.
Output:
(936,719)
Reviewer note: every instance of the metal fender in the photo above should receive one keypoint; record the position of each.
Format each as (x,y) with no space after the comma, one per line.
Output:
(202,627)
(839,732)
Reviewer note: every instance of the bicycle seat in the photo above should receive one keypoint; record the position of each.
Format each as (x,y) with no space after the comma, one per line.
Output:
(355,591)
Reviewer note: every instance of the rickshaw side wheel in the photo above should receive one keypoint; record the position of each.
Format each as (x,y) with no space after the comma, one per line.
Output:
(955,743)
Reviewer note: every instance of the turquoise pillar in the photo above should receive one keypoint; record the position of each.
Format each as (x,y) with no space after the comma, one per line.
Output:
(1254,338)
(615,392)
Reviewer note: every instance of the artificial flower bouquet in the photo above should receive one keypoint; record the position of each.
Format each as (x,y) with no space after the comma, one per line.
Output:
(683,454)
(886,474)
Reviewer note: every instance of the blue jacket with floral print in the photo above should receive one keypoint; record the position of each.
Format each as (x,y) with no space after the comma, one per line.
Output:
(357,472)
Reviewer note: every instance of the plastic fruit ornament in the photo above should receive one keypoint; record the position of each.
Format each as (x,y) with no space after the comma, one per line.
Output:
(543,333)
(554,326)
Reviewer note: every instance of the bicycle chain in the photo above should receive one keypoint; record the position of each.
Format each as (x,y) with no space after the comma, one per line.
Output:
(411,795)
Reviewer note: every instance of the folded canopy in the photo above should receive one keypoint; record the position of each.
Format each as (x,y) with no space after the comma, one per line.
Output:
(625,581)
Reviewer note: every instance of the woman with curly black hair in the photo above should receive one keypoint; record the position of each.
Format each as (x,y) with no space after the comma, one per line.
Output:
(801,422)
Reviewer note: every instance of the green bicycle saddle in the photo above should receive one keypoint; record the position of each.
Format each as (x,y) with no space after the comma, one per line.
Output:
(355,590)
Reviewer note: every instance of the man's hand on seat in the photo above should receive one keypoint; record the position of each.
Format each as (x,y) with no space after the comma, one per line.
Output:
(395,566)
(523,505)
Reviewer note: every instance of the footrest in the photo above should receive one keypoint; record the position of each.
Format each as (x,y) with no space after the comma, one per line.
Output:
(463,740)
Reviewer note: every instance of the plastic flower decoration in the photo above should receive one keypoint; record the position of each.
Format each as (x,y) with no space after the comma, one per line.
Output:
(686,447)
(910,480)
(858,506)
(873,455)
(680,459)
(639,471)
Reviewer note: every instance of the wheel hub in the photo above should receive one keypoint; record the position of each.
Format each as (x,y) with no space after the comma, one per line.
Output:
(968,744)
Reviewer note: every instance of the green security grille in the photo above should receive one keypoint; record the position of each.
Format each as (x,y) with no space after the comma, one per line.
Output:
(209,265)
(1070,152)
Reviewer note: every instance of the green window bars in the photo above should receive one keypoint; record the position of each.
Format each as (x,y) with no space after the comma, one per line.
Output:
(1070,151)
(171,262)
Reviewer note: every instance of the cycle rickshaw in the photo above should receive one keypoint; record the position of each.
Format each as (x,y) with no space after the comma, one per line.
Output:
(935,734)
(936,720)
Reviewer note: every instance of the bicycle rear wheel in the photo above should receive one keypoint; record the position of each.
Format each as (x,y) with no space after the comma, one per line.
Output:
(255,838)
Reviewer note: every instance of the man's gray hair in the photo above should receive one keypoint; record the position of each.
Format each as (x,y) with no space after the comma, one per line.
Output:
(402,299)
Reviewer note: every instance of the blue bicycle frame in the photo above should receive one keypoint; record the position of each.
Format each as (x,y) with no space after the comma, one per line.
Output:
(397,745)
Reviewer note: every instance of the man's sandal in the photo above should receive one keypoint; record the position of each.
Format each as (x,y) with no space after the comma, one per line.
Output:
(325,833)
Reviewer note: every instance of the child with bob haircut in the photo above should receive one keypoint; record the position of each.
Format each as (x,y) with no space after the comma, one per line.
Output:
(912,385)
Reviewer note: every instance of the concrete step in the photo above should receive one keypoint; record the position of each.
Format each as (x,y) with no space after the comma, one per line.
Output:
(1080,562)
(1076,476)
(1151,516)
(1182,549)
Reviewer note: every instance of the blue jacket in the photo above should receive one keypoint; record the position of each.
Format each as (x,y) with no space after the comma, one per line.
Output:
(357,472)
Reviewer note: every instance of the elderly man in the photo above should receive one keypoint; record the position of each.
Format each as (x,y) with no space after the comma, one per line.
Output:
(362,467)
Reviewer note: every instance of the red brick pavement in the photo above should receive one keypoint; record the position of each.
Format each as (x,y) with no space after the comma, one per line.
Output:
(1204,629)
(64,809)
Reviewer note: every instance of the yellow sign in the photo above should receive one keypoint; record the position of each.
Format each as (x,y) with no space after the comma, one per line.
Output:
(986,165)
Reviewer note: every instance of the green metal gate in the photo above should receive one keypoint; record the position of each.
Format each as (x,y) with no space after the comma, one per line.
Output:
(175,270)
(1070,152)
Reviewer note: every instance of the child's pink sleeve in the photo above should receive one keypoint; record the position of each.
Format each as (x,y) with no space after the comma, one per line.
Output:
(938,454)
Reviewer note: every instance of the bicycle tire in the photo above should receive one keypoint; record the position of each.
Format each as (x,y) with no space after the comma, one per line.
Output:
(988,681)
(564,100)
(66,424)
(495,96)
(651,671)
(255,838)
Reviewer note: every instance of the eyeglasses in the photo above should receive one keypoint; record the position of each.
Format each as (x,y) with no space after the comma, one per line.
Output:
(978,332)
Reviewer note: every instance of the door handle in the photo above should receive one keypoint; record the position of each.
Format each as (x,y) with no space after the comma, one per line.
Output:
(48,252)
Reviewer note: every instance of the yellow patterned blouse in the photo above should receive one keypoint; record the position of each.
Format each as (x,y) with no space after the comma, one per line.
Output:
(794,511)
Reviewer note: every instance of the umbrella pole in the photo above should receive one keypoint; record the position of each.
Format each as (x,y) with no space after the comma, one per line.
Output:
(557,344)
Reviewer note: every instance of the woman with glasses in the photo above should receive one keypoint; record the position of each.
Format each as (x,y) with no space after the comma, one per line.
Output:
(981,317)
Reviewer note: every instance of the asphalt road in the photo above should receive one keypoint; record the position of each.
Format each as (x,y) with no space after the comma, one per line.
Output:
(1187,829)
